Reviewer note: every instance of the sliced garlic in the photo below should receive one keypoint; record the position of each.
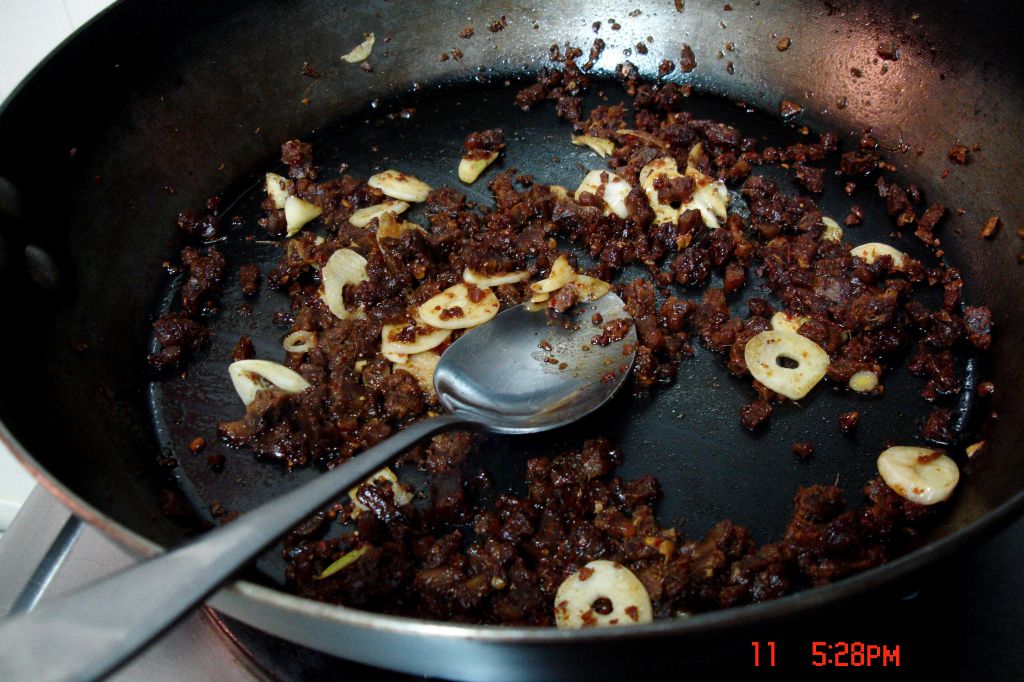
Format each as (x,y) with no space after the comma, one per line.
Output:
(864,382)
(762,355)
(558,191)
(664,164)
(590,288)
(470,168)
(627,601)
(249,377)
(422,366)
(361,51)
(600,145)
(399,185)
(385,476)
(922,475)
(482,280)
(365,216)
(610,187)
(710,196)
(873,250)
(832,233)
(277,188)
(389,227)
(711,199)
(344,562)
(787,323)
(423,337)
(299,342)
(343,268)
(454,309)
(561,274)
(298,212)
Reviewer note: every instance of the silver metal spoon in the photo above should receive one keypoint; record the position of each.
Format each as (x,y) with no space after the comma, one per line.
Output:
(518,373)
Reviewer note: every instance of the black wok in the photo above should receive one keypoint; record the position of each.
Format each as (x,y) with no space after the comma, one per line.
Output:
(151,108)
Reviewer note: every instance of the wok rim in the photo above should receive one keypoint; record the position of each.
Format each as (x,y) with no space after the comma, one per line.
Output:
(711,621)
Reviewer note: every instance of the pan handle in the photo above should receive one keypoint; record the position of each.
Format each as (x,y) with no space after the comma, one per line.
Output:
(91,631)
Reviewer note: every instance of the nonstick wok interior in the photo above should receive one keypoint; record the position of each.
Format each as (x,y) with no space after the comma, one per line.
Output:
(197,98)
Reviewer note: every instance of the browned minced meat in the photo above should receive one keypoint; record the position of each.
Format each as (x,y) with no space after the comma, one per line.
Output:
(177,334)
(959,153)
(803,449)
(243,349)
(753,414)
(204,275)
(788,108)
(205,225)
(613,330)
(811,178)
(938,426)
(687,62)
(249,278)
(506,565)
(481,144)
(978,321)
(466,557)
(848,421)
(927,222)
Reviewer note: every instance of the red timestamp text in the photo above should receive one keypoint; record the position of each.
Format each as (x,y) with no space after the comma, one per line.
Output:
(854,655)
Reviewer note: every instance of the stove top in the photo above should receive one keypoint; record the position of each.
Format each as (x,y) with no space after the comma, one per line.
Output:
(962,620)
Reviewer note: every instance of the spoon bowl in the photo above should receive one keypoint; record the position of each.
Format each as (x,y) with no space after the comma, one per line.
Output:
(523,373)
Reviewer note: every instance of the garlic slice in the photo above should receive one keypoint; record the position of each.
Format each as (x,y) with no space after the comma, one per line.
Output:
(763,352)
(252,376)
(298,212)
(365,216)
(344,267)
(922,475)
(710,196)
(558,191)
(453,308)
(384,477)
(470,168)
(664,164)
(299,342)
(422,366)
(344,562)
(785,322)
(561,274)
(832,233)
(361,51)
(482,280)
(864,382)
(590,288)
(610,187)
(607,580)
(424,337)
(399,185)
(389,227)
(602,146)
(278,188)
(711,199)
(872,250)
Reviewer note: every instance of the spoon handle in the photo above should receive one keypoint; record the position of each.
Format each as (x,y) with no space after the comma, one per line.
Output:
(88,633)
